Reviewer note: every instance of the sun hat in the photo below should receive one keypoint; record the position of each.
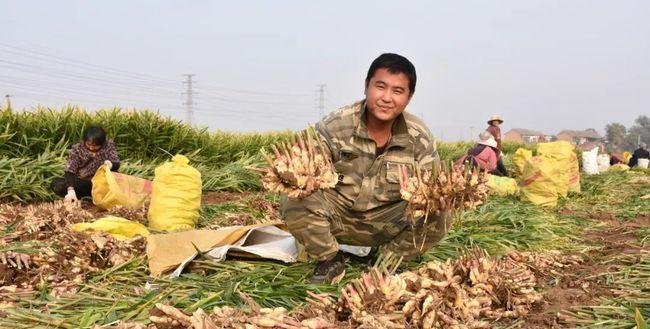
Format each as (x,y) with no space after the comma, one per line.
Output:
(485,138)
(495,117)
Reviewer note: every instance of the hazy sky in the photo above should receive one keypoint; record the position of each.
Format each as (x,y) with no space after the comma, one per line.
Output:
(544,65)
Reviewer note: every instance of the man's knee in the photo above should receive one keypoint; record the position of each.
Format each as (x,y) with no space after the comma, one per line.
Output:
(309,222)
(300,220)
(292,210)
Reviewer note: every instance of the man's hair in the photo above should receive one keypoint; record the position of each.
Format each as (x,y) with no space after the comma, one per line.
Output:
(395,64)
(95,135)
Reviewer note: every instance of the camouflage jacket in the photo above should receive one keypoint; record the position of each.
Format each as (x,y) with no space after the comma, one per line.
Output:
(367,181)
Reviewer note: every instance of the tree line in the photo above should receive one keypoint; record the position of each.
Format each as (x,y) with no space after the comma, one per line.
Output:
(621,138)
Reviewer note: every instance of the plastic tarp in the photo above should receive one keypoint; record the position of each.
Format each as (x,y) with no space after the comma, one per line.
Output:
(173,251)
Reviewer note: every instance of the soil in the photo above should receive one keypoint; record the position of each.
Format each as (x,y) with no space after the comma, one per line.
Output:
(90,207)
(581,284)
(262,204)
(210,198)
(263,210)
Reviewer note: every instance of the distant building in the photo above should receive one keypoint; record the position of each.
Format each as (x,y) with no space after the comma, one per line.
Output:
(588,146)
(526,136)
(579,137)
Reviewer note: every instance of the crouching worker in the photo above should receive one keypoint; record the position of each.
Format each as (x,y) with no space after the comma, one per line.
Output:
(640,153)
(84,160)
(367,142)
(483,156)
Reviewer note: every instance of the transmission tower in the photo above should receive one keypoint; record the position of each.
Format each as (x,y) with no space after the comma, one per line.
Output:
(189,101)
(321,101)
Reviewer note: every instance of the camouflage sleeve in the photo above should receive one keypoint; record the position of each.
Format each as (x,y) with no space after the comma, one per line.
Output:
(321,129)
(426,151)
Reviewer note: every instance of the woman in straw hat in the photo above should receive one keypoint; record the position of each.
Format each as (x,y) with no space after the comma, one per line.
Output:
(495,131)
(483,155)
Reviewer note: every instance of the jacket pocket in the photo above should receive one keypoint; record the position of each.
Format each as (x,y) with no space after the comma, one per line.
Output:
(388,184)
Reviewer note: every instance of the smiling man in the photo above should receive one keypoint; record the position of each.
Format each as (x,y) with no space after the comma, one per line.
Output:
(367,141)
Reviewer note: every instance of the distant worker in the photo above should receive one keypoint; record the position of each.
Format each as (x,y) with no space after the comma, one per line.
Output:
(614,159)
(85,158)
(483,156)
(640,153)
(493,128)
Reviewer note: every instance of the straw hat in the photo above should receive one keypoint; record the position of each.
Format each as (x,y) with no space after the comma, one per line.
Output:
(485,138)
(495,117)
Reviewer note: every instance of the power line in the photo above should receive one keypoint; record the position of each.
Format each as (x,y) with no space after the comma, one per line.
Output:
(76,63)
(66,92)
(259,93)
(123,74)
(38,98)
(111,101)
(78,81)
(80,77)
(87,89)
(71,75)
(244,101)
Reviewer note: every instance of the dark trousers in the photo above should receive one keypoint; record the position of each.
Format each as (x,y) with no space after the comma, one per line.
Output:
(82,187)
(502,168)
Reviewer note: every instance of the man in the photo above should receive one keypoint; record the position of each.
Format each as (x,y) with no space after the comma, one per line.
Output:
(493,128)
(367,142)
(640,153)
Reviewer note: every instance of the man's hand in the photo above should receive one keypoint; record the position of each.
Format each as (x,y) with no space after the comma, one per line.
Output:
(109,164)
(71,196)
(301,194)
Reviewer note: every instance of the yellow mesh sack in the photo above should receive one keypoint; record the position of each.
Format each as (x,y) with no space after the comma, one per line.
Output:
(112,189)
(176,196)
(502,185)
(543,181)
(626,157)
(120,228)
(519,159)
(563,152)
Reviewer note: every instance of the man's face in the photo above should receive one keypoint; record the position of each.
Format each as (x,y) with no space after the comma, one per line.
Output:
(387,95)
(496,123)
